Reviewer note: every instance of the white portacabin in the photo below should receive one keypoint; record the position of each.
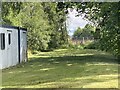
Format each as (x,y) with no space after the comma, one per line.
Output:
(13,46)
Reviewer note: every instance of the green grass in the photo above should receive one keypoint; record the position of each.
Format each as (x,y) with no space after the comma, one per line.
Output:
(64,68)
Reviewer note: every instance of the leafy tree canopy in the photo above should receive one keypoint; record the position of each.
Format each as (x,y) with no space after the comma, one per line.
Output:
(44,21)
(87,32)
(105,16)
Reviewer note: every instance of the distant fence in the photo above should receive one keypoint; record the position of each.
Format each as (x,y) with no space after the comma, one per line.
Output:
(82,40)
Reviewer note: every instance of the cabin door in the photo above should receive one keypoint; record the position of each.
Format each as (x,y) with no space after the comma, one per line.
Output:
(9,48)
(24,47)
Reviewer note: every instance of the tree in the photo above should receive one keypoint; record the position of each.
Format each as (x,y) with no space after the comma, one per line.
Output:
(46,25)
(86,32)
(57,19)
(104,15)
(7,7)
(78,33)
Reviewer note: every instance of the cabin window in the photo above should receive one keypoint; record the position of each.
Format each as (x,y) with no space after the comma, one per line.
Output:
(2,40)
(9,38)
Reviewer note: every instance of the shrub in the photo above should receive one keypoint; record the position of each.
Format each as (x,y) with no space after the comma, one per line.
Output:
(64,46)
(92,45)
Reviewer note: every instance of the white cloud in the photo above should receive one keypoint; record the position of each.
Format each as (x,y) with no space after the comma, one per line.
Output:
(74,22)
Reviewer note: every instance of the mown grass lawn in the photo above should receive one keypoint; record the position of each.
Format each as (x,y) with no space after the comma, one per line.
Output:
(64,68)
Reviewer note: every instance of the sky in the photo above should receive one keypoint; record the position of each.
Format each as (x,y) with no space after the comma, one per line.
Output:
(74,22)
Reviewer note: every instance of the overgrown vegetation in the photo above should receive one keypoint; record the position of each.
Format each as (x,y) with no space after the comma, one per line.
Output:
(105,16)
(44,21)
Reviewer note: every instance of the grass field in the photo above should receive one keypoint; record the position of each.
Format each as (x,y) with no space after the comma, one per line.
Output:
(64,68)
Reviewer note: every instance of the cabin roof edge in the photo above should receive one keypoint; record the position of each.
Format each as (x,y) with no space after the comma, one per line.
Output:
(14,27)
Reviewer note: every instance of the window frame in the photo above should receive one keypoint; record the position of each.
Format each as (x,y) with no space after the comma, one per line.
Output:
(2,41)
(9,38)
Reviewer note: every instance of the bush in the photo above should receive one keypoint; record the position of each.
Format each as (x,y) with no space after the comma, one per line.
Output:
(79,46)
(92,45)
(64,46)
(76,46)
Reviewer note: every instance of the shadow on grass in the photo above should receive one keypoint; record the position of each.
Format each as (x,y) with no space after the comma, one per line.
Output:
(77,59)
(42,70)
(82,60)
